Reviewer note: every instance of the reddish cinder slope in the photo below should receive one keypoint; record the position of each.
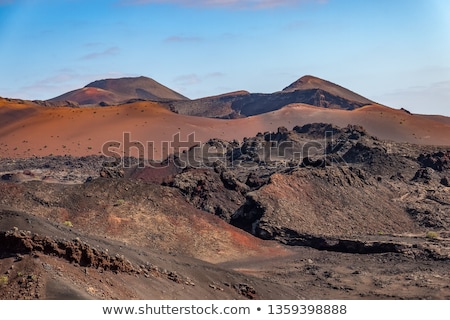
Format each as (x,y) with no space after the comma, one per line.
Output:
(437,118)
(311,82)
(141,214)
(380,121)
(114,91)
(89,95)
(27,129)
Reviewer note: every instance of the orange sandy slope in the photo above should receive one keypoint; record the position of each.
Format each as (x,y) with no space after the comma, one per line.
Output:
(27,129)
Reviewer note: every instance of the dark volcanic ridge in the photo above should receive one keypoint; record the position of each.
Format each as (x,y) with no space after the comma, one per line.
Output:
(308,89)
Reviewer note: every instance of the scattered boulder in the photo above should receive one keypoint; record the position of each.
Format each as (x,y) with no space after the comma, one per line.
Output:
(8,177)
(309,162)
(445,181)
(255,181)
(425,175)
(246,290)
(438,161)
(231,182)
(112,172)
(317,129)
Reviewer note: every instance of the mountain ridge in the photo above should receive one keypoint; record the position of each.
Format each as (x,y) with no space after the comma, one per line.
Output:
(307,89)
(312,82)
(237,104)
(120,90)
(189,207)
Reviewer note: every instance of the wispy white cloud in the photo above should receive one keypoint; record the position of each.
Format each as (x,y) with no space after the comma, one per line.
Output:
(215,75)
(93,44)
(193,78)
(54,84)
(107,52)
(61,81)
(193,81)
(187,79)
(178,39)
(238,4)
(64,75)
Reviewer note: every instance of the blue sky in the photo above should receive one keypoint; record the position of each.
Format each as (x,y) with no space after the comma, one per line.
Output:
(395,52)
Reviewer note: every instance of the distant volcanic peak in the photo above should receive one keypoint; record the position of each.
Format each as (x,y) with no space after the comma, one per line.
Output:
(138,87)
(122,82)
(313,83)
(229,94)
(236,93)
(114,91)
(308,82)
(86,96)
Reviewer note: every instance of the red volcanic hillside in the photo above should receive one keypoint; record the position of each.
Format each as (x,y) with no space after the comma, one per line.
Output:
(114,91)
(308,89)
(27,129)
(310,82)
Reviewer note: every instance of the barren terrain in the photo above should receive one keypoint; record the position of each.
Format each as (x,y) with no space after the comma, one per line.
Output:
(335,198)
(263,228)
(30,130)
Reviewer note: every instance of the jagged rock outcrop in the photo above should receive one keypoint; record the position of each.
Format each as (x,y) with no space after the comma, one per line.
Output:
(339,201)
(217,193)
(317,179)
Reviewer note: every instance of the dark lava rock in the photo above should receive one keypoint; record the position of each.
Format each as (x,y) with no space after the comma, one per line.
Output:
(317,129)
(8,177)
(424,175)
(445,181)
(207,190)
(254,181)
(438,161)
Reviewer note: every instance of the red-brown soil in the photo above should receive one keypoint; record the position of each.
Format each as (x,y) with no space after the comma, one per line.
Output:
(30,130)
(311,82)
(374,225)
(115,91)
(359,214)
